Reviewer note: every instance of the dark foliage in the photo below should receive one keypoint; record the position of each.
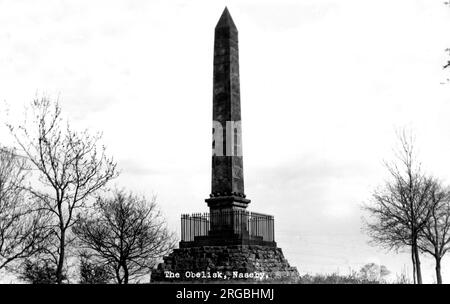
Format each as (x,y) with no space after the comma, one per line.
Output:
(40,272)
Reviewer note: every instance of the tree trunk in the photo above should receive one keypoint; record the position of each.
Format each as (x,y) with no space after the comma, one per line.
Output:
(418,270)
(118,278)
(59,268)
(438,270)
(125,273)
(414,265)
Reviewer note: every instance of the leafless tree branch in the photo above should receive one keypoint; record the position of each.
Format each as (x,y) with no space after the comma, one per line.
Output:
(126,232)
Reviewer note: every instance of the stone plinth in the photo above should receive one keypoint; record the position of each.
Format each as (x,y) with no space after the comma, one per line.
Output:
(233,263)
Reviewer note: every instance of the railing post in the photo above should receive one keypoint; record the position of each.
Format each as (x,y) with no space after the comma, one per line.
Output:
(192,220)
(182,222)
(273,229)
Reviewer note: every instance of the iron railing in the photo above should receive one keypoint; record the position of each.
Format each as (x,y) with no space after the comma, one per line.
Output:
(239,222)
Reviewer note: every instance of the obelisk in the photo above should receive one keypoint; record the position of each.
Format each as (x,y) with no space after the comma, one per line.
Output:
(229,239)
(227,185)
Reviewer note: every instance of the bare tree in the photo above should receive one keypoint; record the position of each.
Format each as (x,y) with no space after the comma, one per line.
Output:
(447,65)
(127,233)
(435,238)
(373,272)
(447,50)
(71,167)
(22,231)
(400,210)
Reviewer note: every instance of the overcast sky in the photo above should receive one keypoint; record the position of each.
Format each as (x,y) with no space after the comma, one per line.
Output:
(324,85)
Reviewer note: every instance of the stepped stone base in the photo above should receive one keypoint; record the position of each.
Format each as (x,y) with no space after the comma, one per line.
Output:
(226,264)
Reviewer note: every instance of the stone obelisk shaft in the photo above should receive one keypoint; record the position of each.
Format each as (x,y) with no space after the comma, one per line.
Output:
(227,188)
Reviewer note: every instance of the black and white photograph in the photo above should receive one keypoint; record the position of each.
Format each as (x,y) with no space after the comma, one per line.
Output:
(235,144)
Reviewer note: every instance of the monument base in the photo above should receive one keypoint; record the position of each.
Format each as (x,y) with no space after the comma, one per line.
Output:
(226,264)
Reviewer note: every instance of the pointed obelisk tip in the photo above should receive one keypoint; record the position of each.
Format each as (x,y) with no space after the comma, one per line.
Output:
(226,20)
